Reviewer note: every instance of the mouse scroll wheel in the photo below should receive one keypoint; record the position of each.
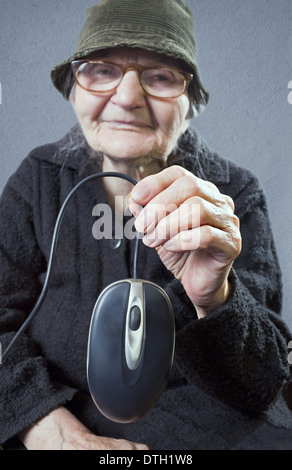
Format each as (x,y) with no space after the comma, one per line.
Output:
(135,318)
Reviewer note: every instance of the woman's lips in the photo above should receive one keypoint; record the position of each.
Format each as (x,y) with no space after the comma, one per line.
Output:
(127,124)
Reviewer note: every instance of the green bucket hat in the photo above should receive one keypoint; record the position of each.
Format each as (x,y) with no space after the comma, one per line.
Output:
(162,26)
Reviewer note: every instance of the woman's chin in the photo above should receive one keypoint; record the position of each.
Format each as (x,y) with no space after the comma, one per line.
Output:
(127,149)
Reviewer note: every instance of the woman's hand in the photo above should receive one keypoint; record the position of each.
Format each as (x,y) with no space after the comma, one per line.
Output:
(194,229)
(60,430)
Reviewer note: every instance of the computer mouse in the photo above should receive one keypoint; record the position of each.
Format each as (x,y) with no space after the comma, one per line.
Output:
(130,349)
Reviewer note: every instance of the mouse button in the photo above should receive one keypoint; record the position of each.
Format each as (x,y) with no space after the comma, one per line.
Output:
(104,365)
(135,318)
(112,299)
(160,328)
(158,306)
(108,319)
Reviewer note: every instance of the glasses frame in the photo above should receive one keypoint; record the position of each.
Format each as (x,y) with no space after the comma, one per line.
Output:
(76,64)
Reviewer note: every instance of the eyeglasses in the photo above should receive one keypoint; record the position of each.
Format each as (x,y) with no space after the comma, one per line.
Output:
(104,77)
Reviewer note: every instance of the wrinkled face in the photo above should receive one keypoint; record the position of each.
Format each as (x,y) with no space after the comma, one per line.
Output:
(127,124)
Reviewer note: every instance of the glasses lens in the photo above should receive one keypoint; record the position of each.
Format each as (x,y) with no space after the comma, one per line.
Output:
(164,83)
(99,76)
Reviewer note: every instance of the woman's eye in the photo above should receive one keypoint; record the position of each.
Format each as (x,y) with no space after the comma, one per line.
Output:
(162,77)
(101,71)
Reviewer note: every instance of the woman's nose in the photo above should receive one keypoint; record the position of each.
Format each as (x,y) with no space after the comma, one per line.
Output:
(129,93)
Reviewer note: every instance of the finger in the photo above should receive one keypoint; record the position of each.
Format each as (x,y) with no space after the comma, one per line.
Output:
(123,444)
(133,207)
(187,216)
(193,213)
(180,192)
(170,200)
(148,187)
(229,201)
(220,244)
(141,447)
(153,185)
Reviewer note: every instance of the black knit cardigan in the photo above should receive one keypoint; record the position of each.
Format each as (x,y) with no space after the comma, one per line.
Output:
(229,367)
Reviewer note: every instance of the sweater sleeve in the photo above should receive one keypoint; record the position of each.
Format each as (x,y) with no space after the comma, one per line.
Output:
(27,392)
(239,352)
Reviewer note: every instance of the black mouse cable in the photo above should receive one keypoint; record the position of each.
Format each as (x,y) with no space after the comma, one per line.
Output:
(57,227)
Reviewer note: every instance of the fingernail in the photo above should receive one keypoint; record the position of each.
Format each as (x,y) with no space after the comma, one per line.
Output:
(134,208)
(140,193)
(143,223)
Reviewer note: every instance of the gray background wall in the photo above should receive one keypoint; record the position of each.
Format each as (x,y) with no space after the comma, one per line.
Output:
(245,57)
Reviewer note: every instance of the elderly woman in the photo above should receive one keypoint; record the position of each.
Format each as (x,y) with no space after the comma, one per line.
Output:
(134,86)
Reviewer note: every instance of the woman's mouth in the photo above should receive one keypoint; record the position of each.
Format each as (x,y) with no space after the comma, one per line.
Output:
(127,125)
